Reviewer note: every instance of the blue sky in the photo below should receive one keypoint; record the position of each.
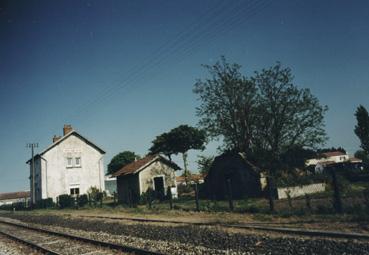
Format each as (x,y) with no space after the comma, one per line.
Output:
(122,72)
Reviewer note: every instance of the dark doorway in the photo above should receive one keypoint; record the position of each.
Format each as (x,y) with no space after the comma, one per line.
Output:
(159,186)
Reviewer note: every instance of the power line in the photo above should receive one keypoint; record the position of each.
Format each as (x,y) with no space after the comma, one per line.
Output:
(184,44)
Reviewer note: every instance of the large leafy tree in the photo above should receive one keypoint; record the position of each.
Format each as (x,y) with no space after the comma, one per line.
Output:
(361,154)
(288,117)
(120,160)
(265,116)
(362,127)
(179,140)
(163,144)
(228,105)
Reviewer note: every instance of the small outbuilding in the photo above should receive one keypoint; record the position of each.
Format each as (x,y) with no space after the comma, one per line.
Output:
(153,171)
(232,171)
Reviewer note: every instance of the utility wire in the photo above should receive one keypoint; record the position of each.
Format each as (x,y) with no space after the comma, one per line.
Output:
(185,43)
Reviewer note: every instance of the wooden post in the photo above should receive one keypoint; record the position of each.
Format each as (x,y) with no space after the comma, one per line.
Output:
(337,202)
(197,198)
(89,199)
(169,193)
(308,202)
(229,190)
(114,198)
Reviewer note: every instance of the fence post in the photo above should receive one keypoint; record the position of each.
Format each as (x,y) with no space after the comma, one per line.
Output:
(89,199)
(337,202)
(308,202)
(169,193)
(115,198)
(229,191)
(197,198)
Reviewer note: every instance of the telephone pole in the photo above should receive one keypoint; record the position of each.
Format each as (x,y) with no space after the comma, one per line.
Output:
(32,146)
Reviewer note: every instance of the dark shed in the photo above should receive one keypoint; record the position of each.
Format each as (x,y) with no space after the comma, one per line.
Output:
(244,177)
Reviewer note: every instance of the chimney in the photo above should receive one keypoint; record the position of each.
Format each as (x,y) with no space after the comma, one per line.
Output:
(67,129)
(56,138)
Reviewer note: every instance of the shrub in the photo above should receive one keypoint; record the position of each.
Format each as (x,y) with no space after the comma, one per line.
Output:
(252,209)
(66,201)
(45,203)
(95,195)
(82,200)
(147,197)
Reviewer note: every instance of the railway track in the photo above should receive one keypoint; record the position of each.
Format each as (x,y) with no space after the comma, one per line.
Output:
(255,226)
(57,243)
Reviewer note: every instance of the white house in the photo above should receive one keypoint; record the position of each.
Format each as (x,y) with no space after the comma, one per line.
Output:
(70,165)
(330,158)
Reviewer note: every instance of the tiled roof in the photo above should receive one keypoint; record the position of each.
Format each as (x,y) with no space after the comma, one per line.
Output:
(138,165)
(333,153)
(14,195)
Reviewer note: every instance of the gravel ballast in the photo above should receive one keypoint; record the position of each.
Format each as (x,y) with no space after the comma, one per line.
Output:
(10,247)
(186,239)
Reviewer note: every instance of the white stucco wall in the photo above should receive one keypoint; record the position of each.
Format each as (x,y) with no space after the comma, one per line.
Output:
(298,191)
(157,169)
(58,179)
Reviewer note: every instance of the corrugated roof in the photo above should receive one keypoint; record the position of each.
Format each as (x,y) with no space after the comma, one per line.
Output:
(140,164)
(14,195)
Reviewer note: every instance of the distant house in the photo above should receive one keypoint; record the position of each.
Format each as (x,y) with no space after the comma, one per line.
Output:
(243,177)
(70,165)
(153,171)
(329,159)
(192,179)
(14,197)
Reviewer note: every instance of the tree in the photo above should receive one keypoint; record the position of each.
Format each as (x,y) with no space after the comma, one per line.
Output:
(163,144)
(120,160)
(295,157)
(228,105)
(264,116)
(204,163)
(179,140)
(362,127)
(361,154)
(320,151)
(288,117)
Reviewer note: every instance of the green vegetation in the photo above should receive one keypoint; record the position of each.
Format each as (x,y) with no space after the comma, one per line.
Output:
(265,116)
(179,140)
(362,127)
(204,163)
(120,160)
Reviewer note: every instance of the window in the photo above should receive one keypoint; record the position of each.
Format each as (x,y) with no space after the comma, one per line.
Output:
(74,191)
(69,162)
(78,161)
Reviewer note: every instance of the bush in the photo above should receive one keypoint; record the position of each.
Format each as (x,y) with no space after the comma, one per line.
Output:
(147,197)
(65,201)
(82,200)
(95,195)
(45,203)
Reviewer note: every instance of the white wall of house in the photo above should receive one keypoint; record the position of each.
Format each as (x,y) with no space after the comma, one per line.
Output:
(58,178)
(157,169)
(298,191)
(336,159)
